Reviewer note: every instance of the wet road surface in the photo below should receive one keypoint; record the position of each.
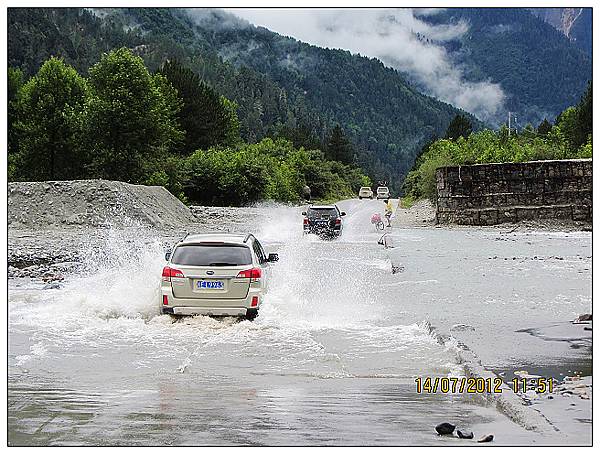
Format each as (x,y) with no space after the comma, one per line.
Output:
(331,359)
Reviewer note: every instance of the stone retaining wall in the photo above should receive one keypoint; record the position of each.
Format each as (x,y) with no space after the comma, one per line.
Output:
(488,194)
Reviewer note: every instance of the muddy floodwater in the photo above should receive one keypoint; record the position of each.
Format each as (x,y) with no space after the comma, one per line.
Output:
(332,357)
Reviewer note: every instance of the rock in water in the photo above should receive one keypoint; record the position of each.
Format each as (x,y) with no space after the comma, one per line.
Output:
(51,286)
(486,439)
(464,434)
(583,318)
(445,428)
(462,327)
(397,269)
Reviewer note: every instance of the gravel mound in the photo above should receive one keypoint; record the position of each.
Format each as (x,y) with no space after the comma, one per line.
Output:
(422,214)
(94,203)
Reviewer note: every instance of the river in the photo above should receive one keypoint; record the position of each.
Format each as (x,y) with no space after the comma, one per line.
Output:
(331,359)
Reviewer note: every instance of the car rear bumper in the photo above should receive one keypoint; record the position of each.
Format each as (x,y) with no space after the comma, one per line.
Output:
(323,231)
(209,306)
(212,311)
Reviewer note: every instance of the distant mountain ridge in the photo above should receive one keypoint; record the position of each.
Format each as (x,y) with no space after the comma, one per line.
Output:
(489,61)
(385,116)
(279,82)
(540,70)
(574,23)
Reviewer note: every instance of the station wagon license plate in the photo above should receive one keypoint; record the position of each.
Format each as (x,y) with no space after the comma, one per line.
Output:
(209,285)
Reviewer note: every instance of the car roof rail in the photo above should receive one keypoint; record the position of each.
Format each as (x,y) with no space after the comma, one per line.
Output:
(247,237)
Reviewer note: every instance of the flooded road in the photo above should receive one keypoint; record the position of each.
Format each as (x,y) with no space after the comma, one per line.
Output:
(331,359)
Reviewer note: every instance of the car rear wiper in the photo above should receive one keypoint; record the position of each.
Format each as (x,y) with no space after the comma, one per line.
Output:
(222,264)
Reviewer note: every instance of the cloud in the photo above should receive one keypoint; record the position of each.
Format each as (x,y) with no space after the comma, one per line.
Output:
(399,37)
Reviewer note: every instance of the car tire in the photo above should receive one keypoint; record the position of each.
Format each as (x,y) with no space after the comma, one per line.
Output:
(359,198)
(251,314)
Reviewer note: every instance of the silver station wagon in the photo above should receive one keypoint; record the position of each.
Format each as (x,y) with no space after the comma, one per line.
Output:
(215,274)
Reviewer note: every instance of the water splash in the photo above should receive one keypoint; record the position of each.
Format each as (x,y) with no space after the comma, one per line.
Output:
(318,289)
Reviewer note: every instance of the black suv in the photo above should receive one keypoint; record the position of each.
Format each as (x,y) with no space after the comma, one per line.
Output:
(323,220)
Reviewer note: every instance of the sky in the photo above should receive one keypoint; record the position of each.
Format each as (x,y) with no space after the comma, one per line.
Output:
(391,36)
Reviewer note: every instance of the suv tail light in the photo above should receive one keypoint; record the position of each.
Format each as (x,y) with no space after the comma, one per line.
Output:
(338,221)
(305,221)
(169,272)
(253,274)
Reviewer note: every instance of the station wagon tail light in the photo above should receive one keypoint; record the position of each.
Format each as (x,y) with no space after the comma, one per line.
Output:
(169,272)
(165,300)
(254,274)
(254,301)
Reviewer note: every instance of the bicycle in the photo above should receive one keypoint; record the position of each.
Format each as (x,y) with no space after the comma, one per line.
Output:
(388,218)
(377,222)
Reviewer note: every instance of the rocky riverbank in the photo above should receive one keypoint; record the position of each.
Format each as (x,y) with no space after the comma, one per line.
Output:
(93,203)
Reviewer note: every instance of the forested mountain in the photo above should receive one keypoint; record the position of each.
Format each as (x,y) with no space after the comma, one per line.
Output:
(574,23)
(80,36)
(282,87)
(286,88)
(539,69)
(384,114)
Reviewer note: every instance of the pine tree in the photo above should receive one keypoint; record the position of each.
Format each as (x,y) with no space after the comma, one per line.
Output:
(544,127)
(460,126)
(583,125)
(15,82)
(301,136)
(207,118)
(338,147)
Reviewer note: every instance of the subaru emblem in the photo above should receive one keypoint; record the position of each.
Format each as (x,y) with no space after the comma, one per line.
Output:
(210,272)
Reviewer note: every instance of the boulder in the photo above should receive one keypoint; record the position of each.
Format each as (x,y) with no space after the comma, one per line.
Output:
(486,439)
(445,428)
(464,434)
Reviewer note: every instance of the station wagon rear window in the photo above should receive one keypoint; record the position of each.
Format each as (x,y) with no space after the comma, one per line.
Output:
(212,255)
(320,212)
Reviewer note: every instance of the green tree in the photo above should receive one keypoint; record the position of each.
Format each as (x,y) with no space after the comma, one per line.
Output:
(131,117)
(207,118)
(567,122)
(48,123)
(300,136)
(270,169)
(339,148)
(424,149)
(460,126)
(229,122)
(544,127)
(584,125)
(15,82)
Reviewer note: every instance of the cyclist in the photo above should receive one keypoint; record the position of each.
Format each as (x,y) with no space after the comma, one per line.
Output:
(377,222)
(388,211)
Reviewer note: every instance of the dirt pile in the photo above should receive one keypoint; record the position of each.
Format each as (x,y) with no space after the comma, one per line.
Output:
(93,203)
(422,214)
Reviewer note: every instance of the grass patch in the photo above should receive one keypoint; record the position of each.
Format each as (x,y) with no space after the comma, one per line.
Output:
(407,202)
